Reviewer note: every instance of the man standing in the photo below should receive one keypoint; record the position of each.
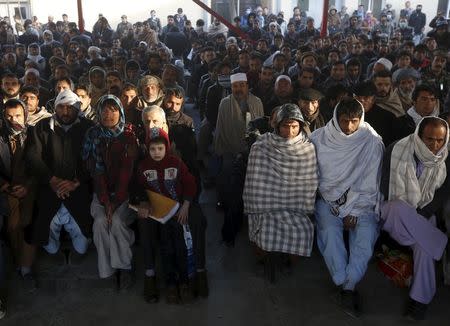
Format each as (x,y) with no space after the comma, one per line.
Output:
(349,153)
(53,154)
(417,20)
(415,185)
(16,186)
(235,113)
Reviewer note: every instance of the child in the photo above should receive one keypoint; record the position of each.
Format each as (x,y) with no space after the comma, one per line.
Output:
(166,174)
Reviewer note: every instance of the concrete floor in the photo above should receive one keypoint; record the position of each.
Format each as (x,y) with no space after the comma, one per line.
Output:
(239,293)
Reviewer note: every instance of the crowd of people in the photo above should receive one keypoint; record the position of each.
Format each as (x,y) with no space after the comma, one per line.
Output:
(300,134)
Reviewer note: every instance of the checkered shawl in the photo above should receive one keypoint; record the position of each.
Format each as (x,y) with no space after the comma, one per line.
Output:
(279,193)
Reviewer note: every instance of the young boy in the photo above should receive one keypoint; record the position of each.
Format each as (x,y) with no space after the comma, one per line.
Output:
(165,174)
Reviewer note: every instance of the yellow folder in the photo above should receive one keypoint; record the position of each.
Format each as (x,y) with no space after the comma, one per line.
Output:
(162,208)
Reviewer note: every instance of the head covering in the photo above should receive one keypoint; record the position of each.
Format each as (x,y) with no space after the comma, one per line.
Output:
(308,54)
(69,98)
(404,73)
(158,133)
(366,88)
(385,62)
(289,111)
(32,71)
(239,77)
(350,166)
(310,94)
(91,149)
(281,77)
(403,181)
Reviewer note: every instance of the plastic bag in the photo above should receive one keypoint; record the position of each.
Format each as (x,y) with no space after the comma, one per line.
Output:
(396,266)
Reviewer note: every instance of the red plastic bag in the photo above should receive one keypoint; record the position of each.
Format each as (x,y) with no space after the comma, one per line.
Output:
(397,266)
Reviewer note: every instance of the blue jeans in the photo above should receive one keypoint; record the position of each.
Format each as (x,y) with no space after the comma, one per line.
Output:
(64,219)
(346,270)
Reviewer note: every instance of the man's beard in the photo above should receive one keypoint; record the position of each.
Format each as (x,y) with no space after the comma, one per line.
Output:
(406,94)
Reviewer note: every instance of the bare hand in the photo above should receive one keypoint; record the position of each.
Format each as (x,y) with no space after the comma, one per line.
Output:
(19,191)
(350,222)
(143,209)
(109,210)
(183,213)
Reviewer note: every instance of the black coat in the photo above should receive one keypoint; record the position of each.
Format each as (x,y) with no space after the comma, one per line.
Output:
(55,152)
(384,123)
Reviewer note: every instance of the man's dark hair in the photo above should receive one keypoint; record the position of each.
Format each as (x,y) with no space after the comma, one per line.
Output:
(177,91)
(213,65)
(10,75)
(12,103)
(308,69)
(431,121)
(353,62)
(334,92)
(200,22)
(114,73)
(422,88)
(170,16)
(366,88)
(29,89)
(65,79)
(337,63)
(129,87)
(350,107)
(83,87)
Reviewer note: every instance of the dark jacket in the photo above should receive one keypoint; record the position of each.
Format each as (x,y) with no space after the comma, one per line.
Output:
(384,122)
(404,126)
(51,151)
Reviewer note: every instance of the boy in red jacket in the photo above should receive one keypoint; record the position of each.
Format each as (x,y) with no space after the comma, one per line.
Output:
(167,175)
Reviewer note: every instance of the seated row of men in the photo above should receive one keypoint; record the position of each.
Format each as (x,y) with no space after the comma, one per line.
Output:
(66,172)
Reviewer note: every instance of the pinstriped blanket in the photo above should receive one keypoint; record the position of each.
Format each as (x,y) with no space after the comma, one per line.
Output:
(279,193)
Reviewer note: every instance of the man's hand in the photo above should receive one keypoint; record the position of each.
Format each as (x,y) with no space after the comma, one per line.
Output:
(109,210)
(19,191)
(63,187)
(5,188)
(143,209)
(183,213)
(350,222)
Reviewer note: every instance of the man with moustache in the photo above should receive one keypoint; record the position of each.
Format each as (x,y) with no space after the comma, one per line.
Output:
(235,113)
(10,88)
(437,75)
(53,155)
(405,79)
(385,97)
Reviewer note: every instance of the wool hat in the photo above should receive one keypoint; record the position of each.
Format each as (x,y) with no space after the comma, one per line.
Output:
(310,94)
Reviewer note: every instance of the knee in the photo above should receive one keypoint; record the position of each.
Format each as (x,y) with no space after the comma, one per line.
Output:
(100,225)
(395,206)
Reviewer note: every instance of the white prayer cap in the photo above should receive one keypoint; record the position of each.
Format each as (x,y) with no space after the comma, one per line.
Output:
(239,77)
(386,63)
(281,77)
(68,97)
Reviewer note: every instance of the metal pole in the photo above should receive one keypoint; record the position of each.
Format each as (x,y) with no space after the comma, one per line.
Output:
(324,25)
(238,5)
(80,16)
(20,11)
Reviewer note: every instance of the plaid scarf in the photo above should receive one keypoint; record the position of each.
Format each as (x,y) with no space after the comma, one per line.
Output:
(97,134)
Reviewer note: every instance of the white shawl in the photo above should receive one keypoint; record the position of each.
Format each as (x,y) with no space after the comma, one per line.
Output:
(417,117)
(403,181)
(349,163)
